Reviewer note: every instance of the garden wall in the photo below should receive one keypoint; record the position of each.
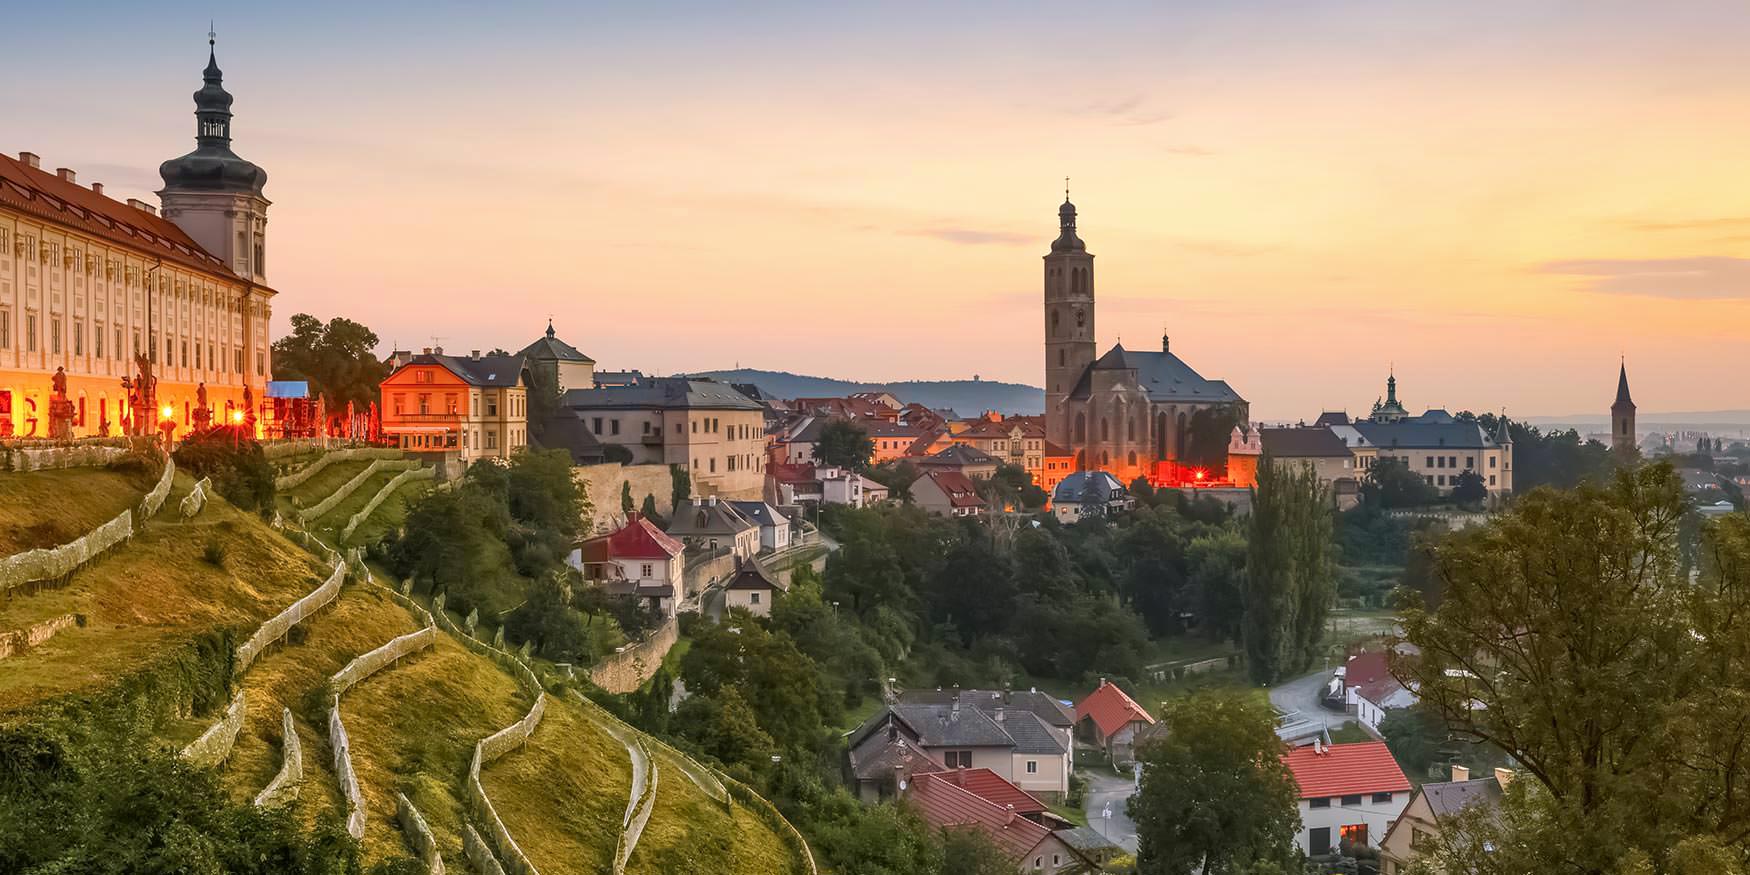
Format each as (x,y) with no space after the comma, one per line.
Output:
(627,670)
(76,455)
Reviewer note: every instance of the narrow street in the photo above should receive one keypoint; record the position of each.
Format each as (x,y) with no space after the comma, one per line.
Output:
(1302,694)
(1108,793)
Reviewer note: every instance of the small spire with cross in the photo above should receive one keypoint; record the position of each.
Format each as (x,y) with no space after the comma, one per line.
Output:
(1066,189)
(212,33)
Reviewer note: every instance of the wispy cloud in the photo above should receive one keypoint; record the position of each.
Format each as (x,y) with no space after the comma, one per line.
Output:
(976,237)
(1188,151)
(1706,277)
(1128,110)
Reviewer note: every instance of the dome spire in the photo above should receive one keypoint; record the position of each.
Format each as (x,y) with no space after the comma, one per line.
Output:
(212,166)
(1067,241)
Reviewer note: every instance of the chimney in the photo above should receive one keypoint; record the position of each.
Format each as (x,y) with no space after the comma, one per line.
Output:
(712,500)
(426,350)
(142,206)
(999,715)
(698,502)
(1460,773)
(29,159)
(474,354)
(1503,777)
(437,350)
(954,710)
(66,174)
(97,188)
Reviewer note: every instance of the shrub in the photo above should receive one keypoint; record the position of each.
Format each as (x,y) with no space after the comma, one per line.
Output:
(232,458)
(214,554)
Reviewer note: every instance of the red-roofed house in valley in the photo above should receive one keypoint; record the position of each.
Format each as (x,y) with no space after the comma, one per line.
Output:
(638,560)
(1110,719)
(1369,690)
(948,493)
(1349,793)
(941,800)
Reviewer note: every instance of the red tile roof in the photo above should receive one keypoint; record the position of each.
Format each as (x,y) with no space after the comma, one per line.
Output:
(638,539)
(1110,708)
(945,806)
(994,788)
(957,487)
(1345,770)
(48,197)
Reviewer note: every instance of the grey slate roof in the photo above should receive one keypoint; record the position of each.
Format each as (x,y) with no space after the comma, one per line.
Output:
(1163,375)
(661,393)
(1030,733)
(1069,490)
(943,726)
(759,513)
(1303,443)
(1410,434)
(563,430)
(1446,798)
(708,518)
(1085,839)
(551,349)
(1042,705)
(958,455)
(488,371)
(753,576)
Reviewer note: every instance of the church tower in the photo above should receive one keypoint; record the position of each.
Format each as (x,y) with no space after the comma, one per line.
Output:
(1069,321)
(1622,415)
(213,195)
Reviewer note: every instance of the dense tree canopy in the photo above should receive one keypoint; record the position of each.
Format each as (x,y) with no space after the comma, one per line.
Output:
(1215,796)
(844,444)
(339,360)
(1570,636)
(1290,580)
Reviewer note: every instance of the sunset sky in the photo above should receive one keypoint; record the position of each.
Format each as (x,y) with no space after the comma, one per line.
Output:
(1500,198)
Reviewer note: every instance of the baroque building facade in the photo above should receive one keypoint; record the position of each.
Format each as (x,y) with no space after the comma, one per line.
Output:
(1127,412)
(88,282)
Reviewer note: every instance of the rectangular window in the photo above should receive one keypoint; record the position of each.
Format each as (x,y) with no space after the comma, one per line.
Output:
(1032,767)
(239,359)
(491,439)
(78,336)
(30,332)
(185,353)
(54,335)
(1382,797)
(1491,479)
(5,328)
(424,404)
(616,426)
(118,341)
(1318,841)
(1352,800)
(1440,480)
(1321,802)
(753,598)
(1430,462)
(595,425)
(197,356)
(1470,462)
(450,404)
(957,759)
(97,342)
(1452,461)
(647,571)
(492,405)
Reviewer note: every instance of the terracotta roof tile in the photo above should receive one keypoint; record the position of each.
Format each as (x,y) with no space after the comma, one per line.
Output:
(1110,708)
(1345,770)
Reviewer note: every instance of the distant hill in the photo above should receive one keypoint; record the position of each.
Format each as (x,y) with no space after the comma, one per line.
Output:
(966,397)
(1699,420)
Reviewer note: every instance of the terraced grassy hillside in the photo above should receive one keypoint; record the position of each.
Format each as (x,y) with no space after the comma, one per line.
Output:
(413,725)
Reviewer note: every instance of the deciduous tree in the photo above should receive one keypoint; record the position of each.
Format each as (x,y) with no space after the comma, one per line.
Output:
(844,444)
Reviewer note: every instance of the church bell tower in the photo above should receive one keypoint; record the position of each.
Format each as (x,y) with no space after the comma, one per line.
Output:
(1622,416)
(1069,320)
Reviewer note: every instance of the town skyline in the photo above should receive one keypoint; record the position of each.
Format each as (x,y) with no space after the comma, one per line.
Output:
(1550,211)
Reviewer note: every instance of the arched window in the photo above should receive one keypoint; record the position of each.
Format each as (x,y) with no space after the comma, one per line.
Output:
(1132,458)
(1105,459)
(1060,358)
(1081,428)
(1105,429)
(1055,318)
(1132,436)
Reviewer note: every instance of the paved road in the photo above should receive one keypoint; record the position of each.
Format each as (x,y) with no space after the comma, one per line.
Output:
(1302,694)
(1108,792)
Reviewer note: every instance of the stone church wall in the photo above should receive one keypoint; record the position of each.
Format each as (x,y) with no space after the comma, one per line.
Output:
(602,485)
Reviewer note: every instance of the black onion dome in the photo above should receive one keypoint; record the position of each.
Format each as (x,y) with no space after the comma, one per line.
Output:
(212,166)
(1067,241)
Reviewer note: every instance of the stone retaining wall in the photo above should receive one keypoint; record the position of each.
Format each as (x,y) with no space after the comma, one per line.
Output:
(299,476)
(55,563)
(277,626)
(316,510)
(418,835)
(383,495)
(602,484)
(155,499)
(627,670)
(80,455)
(284,786)
(20,640)
(214,745)
(195,499)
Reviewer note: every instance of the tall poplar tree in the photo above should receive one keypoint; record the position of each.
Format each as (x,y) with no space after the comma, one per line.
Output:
(1289,571)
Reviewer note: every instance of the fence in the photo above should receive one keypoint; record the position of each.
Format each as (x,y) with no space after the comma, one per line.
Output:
(155,499)
(284,786)
(195,499)
(363,666)
(20,640)
(627,670)
(634,827)
(418,835)
(478,853)
(76,455)
(277,626)
(299,476)
(339,495)
(485,751)
(55,563)
(215,743)
(382,495)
